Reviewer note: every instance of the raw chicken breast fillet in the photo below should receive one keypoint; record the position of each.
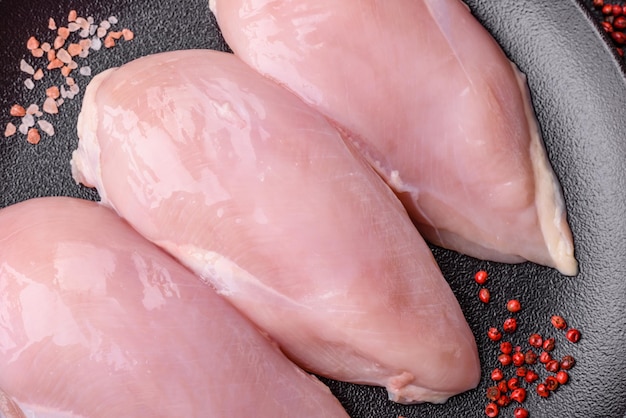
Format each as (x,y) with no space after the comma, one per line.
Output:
(257,193)
(432,102)
(98,322)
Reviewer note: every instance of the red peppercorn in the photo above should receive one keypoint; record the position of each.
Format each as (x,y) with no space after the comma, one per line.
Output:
(548,345)
(502,387)
(480,277)
(562,377)
(494,334)
(607,26)
(618,37)
(521,412)
(558,322)
(573,334)
(607,9)
(620,51)
(521,371)
(617,10)
(619,22)
(506,347)
(531,376)
(497,375)
(510,325)
(518,395)
(491,410)
(535,340)
(553,366)
(493,393)
(567,362)
(513,305)
(551,383)
(542,390)
(505,359)
(503,401)
(530,357)
(484,295)
(624,9)
(598,3)
(518,358)
(513,383)
(544,357)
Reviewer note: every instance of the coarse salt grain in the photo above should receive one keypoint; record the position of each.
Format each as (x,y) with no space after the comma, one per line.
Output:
(32,43)
(55,63)
(28,120)
(84,53)
(128,34)
(37,52)
(82,22)
(92,29)
(109,42)
(74,49)
(29,84)
(70,81)
(96,43)
(50,106)
(38,74)
(23,129)
(105,24)
(64,56)
(74,89)
(84,43)
(46,47)
(10,129)
(84,33)
(17,110)
(60,102)
(72,15)
(52,92)
(32,109)
(112,20)
(63,92)
(58,42)
(101,32)
(86,71)
(73,26)
(33,136)
(63,32)
(46,127)
(26,67)
(52,24)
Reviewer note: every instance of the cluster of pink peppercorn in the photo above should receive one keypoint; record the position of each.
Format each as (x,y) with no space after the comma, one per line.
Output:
(613,22)
(505,391)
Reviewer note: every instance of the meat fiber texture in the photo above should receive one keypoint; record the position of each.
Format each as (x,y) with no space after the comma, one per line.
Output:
(259,195)
(98,322)
(430,99)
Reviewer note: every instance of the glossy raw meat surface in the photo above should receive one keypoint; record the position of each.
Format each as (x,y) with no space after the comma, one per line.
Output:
(95,321)
(259,195)
(434,105)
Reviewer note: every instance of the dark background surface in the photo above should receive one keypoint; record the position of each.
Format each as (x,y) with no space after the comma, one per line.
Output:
(579,92)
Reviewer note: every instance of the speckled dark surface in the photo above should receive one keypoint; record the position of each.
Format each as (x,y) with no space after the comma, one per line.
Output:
(579,92)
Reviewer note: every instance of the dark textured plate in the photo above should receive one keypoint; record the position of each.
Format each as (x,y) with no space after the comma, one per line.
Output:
(579,93)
